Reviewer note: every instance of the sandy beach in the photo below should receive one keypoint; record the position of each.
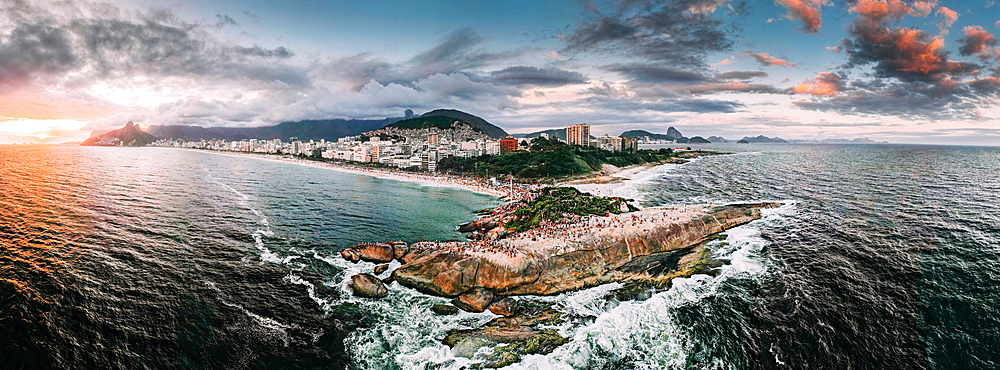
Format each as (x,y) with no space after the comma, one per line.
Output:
(471,184)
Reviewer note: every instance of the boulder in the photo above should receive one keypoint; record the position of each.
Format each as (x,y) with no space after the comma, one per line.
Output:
(476,301)
(380,269)
(444,309)
(350,255)
(373,252)
(504,307)
(368,286)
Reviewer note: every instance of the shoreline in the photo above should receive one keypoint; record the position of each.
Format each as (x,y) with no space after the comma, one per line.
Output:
(422,179)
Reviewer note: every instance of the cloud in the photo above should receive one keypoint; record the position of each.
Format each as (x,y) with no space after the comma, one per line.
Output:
(723,62)
(667,33)
(946,17)
(656,74)
(251,16)
(807,11)
(533,76)
(34,50)
(767,60)
(825,84)
(894,10)
(455,53)
(903,53)
(896,100)
(225,21)
(740,75)
(977,40)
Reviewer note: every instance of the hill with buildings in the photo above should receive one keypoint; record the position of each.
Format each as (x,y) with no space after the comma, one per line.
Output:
(130,135)
(487,128)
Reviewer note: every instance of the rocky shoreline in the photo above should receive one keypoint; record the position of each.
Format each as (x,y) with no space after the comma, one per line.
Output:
(640,249)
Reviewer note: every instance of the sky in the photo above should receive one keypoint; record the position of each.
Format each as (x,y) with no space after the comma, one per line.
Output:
(894,70)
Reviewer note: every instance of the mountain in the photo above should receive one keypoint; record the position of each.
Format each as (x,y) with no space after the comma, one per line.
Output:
(130,135)
(486,127)
(672,134)
(699,140)
(860,140)
(559,133)
(717,139)
(303,130)
(764,139)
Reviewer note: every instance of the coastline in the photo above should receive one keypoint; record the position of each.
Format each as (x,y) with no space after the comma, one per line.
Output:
(417,178)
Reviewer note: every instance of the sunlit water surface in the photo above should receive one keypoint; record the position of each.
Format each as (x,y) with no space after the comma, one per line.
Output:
(882,257)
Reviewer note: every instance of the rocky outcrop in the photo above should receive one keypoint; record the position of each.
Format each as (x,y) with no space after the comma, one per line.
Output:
(370,252)
(444,309)
(453,274)
(518,335)
(368,286)
(504,307)
(476,301)
(380,269)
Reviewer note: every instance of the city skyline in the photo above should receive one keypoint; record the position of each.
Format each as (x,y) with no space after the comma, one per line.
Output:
(902,71)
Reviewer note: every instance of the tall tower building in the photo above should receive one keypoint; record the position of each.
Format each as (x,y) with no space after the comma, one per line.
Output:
(579,134)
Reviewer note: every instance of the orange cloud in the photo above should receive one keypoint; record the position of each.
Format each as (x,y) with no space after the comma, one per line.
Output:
(893,9)
(807,11)
(923,8)
(947,18)
(977,40)
(724,61)
(825,84)
(768,60)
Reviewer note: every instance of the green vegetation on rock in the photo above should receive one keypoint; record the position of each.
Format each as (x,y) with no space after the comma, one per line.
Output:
(554,202)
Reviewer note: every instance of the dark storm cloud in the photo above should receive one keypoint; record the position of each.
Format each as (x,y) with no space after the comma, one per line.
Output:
(675,33)
(533,76)
(257,51)
(740,75)
(455,53)
(906,100)
(655,74)
(121,48)
(34,49)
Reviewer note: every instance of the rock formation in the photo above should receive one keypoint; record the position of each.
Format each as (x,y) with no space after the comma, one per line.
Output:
(454,274)
(368,286)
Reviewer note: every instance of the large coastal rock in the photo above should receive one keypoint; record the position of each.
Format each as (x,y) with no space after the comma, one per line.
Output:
(454,274)
(370,252)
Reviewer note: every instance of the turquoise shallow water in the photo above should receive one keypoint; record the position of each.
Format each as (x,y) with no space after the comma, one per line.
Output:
(884,257)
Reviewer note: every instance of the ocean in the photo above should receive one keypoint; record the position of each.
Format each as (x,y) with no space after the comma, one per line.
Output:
(883,256)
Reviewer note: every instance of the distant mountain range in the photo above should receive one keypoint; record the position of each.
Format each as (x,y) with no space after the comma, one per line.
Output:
(860,140)
(763,139)
(303,130)
(130,135)
(672,134)
(311,129)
